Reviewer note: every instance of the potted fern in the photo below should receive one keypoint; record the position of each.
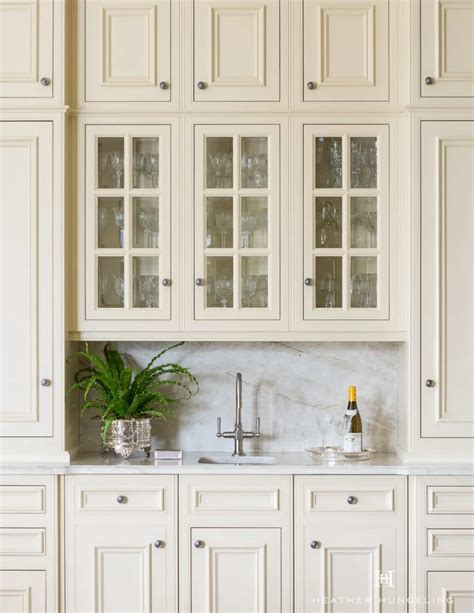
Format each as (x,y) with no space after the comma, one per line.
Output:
(128,399)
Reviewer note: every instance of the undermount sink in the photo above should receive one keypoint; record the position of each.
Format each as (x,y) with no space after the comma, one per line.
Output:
(246,459)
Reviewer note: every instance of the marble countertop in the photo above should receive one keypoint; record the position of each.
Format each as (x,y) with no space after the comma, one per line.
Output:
(281,463)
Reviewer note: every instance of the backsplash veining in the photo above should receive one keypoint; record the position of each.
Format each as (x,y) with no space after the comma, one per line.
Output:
(293,387)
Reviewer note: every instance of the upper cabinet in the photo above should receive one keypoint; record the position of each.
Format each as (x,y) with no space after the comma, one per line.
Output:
(127,50)
(26,60)
(447,48)
(345,50)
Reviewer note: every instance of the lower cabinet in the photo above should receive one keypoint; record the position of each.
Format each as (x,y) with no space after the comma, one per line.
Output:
(450,591)
(23,591)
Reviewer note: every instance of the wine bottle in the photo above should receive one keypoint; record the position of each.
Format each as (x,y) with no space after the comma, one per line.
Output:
(353,435)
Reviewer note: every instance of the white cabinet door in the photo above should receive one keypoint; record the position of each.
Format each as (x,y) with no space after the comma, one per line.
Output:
(23,591)
(346,222)
(447,48)
(26,290)
(447,290)
(236,50)
(26,59)
(237,222)
(346,50)
(451,591)
(128,223)
(127,50)
(236,570)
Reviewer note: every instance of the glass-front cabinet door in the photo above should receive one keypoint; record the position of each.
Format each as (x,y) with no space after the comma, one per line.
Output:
(127,222)
(237,222)
(346,222)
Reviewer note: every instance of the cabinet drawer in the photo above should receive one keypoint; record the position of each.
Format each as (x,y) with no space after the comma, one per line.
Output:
(22,499)
(22,541)
(450,499)
(447,542)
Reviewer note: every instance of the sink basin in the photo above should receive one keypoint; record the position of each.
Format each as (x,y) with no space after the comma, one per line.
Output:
(246,459)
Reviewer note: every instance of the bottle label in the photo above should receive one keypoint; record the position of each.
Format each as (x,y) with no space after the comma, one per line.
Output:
(353,442)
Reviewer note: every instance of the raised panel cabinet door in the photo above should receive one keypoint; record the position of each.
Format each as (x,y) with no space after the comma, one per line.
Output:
(450,591)
(236,570)
(447,283)
(447,48)
(23,591)
(122,568)
(26,279)
(127,50)
(236,50)
(346,50)
(26,59)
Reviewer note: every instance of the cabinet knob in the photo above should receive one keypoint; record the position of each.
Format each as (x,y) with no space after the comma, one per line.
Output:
(163,85)
(430,383)
(429,80)
(308,281)
(166,282)
(199,544)
(311,85)
(45,81)
(45,382)
(159,544)
(315,544)
(201,85)
(352,500)
(121,499)
(199,281)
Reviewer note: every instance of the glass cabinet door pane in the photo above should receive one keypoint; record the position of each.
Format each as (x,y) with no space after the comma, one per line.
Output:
(219,222)
(328,282)
(220,162)
(363,222)
(146,282)
(111,282)
(254,282)
(220,282)
(254,162)
(110,161)
(254,222)
(146,218)
(145,162)
(364,282)
(328,156)
(110,223)
(328,226)
(363,161)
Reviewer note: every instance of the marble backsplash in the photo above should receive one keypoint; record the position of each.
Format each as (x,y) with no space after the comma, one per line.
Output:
(295,388)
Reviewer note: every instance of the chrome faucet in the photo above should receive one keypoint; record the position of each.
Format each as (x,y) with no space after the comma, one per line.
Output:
(238,433)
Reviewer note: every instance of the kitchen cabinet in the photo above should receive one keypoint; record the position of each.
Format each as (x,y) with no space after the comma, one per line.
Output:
(350,543)
(346,47)
(447,50)
(127,50)
(121,543)
(26,187)
(447,216)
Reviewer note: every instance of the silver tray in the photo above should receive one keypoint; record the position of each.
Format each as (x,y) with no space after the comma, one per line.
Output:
(337,454)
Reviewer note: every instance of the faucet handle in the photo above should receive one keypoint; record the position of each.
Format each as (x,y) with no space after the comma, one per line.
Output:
(219,433)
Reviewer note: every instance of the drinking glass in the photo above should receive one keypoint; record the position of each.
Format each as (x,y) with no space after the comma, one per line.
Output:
(150,169)
(138,166)
(249,223)
(150,288)
(223,225)
(116,162)
(119,285)
(249,289)
(148,219)
(119,217)
(223,288)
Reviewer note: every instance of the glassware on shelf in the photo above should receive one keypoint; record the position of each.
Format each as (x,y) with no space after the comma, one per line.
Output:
(261,298)
(150,290)
(151,164)
(328,158)
(116,163)
(249,224)
(364,162)
(249,289)
(363,282)
(364,222)
(223,221)
(138,167)
(119,218)
(119,286)
(110,162)
(148,218)
(223,289)
(221,166)
(254,162)
(328,222)
(328,282)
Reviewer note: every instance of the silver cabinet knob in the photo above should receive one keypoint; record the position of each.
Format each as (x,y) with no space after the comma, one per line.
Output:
(122,499)
(166,282)
(352,500)
(315,544)
(430,383)
(199,281)
(308,281)
(163,85)
(45,382)
(311,85)
(159,544)
(199,544)
(45,81)
(429,80)
(201,85)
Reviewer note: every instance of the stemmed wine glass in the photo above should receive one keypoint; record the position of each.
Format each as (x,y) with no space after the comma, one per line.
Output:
(150,169)
(102,217)
(119,217)
(138,165)
(249,223)
(119,285)
(223,288)
(116,161)
(150,287)
(148,219)
(223,224)
(249,286)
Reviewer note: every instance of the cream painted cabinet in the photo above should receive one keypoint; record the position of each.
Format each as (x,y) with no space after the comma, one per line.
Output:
(346,45)
(447,284)
(26,59)
(236,50)
(350,543)
(447,48)
(127,50)
(26,368)
(23,591)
